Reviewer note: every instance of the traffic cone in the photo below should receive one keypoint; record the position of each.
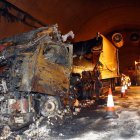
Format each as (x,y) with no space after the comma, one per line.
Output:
(123,92)
(76,107)
(76,103)
(110,110)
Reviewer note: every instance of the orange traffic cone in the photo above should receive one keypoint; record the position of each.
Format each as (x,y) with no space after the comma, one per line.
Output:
(110,110)
(76,107)
(76,103)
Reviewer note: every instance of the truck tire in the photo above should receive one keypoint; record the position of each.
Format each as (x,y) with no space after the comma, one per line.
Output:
(50,106)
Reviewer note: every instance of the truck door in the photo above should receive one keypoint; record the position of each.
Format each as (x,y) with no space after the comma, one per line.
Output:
(53,69)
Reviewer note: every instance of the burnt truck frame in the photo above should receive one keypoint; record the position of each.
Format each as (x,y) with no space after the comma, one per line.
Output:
(35,75)
(39,74)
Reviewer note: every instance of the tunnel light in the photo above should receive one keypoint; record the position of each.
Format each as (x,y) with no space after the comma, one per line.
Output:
(135,62)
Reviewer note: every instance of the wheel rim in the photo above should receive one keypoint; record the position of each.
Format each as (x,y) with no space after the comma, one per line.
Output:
(49,106)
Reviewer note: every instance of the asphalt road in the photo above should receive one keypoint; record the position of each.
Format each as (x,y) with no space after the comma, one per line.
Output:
(90,124)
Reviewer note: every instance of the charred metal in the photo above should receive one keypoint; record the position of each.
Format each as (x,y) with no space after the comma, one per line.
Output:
(45,78)
(35,76)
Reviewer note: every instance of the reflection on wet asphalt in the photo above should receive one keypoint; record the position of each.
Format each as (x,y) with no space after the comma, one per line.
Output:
(90,125)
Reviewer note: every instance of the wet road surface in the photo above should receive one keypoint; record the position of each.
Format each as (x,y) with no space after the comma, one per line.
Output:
(90,125)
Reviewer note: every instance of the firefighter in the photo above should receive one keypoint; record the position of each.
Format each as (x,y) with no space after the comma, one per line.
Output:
(128,82)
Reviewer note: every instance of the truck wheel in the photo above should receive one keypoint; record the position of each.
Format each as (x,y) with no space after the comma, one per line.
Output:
(49,106)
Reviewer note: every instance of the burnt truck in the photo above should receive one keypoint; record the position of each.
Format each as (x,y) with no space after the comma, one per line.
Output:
(40,72)
(35,76)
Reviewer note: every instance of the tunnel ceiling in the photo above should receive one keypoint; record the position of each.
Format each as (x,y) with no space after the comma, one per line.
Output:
(84,17)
